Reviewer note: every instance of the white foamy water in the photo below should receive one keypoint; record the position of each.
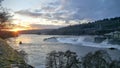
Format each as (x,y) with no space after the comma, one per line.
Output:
(84,41)
(37,46)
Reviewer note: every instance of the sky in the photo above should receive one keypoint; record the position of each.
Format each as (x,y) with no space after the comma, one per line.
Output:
(61,12)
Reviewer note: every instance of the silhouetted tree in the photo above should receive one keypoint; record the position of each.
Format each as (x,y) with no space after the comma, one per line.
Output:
(4,16)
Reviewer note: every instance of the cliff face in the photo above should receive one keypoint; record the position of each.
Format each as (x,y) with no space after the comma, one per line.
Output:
(10,57)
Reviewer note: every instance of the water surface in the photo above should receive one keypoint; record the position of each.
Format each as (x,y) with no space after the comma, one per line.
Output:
(37,48)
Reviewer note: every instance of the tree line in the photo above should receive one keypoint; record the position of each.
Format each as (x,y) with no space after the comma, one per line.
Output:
(99,27)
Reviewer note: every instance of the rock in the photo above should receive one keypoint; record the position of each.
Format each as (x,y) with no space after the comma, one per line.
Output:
(23,54)
(29,66)
(20,42)
(112,48)
(99,39)
(21,66)
(1,51)
(14,66)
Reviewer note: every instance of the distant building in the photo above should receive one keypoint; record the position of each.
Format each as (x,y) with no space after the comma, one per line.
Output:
(116,35)
(113,35)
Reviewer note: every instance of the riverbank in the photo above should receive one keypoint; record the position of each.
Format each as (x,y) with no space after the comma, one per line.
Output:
(10,58)
(8,34)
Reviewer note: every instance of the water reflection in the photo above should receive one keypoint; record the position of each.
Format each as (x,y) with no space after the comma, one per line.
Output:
(24,39)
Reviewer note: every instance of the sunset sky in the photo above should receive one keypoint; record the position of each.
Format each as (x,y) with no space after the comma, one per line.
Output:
(61,12)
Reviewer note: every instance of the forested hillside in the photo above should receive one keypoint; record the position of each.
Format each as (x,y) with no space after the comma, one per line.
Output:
(92,28)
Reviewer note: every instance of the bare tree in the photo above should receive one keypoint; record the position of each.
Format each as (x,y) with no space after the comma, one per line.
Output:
(68,59)
(1,1)
(100,59)
(60,59)
(115,64)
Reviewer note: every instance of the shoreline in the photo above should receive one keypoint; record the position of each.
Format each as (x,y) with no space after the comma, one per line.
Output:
(83,50)
(11,58)
(114,54)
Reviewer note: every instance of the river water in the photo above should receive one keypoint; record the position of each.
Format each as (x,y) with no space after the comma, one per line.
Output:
(37,46)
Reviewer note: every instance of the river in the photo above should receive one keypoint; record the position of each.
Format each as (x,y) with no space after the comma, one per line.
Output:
(37,46)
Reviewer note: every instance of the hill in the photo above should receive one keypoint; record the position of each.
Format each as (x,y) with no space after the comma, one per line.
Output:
(92,28)
(37,31)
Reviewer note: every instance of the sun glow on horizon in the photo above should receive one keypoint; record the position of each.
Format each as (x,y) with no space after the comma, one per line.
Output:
(26,20)
(17,29)
(20,25)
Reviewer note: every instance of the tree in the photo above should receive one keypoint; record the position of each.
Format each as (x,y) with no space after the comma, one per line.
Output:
(100,59)
(4,16)
(115,64)
(68,59)
(0,1)
(60,59)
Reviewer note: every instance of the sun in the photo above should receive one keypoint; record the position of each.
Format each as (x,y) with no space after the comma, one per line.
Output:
(17,29)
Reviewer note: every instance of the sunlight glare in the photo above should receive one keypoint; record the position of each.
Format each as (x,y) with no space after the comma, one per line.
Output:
(17,29)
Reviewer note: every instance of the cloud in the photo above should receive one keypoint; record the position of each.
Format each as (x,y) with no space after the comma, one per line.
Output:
(39,26)
(74,10)
(95,9)
(28,13)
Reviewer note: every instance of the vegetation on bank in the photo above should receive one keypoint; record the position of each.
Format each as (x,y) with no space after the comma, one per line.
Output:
(99,27)
(68,59)
(8,34)
(9,56)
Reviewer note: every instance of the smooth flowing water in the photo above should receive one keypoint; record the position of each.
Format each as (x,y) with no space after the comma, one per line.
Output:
(38,46)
